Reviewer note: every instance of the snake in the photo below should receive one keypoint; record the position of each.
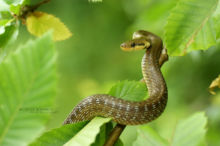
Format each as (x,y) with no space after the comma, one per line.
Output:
(131,112)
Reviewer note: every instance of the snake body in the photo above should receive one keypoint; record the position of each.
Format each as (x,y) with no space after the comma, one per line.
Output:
(128,112)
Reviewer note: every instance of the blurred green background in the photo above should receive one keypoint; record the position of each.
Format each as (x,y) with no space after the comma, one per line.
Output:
(91,61)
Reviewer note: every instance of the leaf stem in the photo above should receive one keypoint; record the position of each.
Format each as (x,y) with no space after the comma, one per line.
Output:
(30,8)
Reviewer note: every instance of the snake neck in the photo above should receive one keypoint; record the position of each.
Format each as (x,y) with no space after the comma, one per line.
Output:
(151,70)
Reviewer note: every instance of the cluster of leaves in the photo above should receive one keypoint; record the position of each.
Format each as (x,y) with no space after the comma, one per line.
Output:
(8,26)
(12,12)
(192,25)
(28,78)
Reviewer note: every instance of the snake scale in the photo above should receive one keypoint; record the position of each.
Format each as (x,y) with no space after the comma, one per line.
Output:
(129,112)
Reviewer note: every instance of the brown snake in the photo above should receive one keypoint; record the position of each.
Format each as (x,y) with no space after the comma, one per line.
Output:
(129,112)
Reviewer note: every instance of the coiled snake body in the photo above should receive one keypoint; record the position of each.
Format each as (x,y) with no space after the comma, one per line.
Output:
(128,112)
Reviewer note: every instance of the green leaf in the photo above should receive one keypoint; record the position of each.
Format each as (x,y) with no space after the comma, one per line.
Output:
(10,34)
(8,30)
(205,38)
(27,91)
(14,1)
(217,11)
(88,134)
(148,137)
(191,131)
(185,22)
(119,143)
(216,20)
(39,23)
(5,15)
(188,132)
(3,22)
(129,90)
(103,134)
(58,136)
(15,9)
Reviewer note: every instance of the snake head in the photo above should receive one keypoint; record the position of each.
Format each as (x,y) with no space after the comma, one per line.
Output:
(135,44)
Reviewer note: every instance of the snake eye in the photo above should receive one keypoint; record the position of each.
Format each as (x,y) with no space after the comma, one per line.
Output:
(132,44)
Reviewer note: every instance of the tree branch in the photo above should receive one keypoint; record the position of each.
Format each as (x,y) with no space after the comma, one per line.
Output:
(114,135)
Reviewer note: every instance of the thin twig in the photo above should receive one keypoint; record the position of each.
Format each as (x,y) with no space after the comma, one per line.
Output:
(114,135)
(30,8)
